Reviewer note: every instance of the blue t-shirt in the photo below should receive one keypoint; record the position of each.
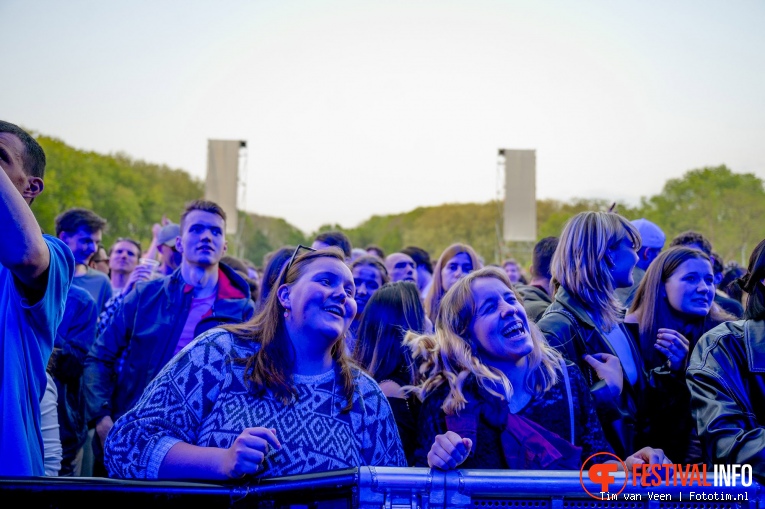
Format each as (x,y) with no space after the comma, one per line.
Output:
(26,342)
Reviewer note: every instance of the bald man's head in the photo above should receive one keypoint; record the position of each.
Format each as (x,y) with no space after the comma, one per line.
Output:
(401,267)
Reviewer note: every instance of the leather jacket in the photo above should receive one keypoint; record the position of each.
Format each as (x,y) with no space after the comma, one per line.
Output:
(569,328)
(726,377)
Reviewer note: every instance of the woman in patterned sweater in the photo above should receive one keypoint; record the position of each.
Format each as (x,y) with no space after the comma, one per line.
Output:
(274,396)
(496,395)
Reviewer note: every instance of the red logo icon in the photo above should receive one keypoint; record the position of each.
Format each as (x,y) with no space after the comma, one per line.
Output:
(602,473)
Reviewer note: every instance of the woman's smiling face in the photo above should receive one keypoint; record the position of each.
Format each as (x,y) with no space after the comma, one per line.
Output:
(321,301)
(499,326)
(690,289)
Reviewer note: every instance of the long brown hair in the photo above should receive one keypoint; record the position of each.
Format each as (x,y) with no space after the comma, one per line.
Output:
(436,292)
(652,308)
(271,367)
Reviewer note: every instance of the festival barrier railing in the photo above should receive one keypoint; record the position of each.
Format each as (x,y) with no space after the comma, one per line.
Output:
(381,488)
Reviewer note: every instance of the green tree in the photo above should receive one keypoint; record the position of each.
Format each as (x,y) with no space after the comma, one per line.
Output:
(728,208)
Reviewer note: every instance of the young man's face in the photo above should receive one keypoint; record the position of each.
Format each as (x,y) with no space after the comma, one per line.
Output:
(12,161)
(124,257)
(83,243)
(203,239)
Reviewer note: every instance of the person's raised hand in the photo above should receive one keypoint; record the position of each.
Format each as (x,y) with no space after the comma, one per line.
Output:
(140,273)
(155,230)
(246,454)
(609,369)
(674,346)
(449,451)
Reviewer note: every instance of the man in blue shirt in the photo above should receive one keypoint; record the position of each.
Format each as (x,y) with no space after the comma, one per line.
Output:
(81,230)
(35,273)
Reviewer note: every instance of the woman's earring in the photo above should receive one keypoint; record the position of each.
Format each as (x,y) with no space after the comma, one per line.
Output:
(286,313)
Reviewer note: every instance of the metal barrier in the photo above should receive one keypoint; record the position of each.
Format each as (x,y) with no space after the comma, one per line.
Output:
(378,488)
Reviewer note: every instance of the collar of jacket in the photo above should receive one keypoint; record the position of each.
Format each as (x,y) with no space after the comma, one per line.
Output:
(574,306)
(531,292)
(754,337)
(230,286)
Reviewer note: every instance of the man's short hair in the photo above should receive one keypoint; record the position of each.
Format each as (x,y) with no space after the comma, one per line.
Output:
(33,156)
(204,206)
(420,256)
(338,239)
(542,257)
(376,249)
(692,238)
(73,220)
(136,243)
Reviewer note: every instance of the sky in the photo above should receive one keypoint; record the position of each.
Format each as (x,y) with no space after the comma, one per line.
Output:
(359,108)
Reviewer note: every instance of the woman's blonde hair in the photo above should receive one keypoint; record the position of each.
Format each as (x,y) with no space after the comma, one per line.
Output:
(271,367)
(580,263)
(436,292)
(450,355)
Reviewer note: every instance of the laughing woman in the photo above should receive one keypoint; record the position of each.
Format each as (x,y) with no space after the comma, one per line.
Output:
(496,395)
(274,396)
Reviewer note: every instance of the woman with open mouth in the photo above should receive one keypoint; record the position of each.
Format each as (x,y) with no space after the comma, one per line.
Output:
(274,396)
(673,307)
(496,395)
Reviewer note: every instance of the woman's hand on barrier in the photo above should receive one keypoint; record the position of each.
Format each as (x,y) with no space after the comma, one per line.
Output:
(647,455)
(675,346)
(449,451)
(246,454)
(609,369)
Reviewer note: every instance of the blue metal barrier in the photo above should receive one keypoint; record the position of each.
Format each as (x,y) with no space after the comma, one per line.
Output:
(378,488)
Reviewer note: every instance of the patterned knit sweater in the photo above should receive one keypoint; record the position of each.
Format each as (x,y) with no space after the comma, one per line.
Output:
(201,398)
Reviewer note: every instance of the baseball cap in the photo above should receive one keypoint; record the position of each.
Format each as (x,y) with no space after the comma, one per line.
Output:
(168,233)
(650,234)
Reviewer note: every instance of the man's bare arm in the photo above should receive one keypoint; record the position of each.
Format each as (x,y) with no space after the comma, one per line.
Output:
(22,250)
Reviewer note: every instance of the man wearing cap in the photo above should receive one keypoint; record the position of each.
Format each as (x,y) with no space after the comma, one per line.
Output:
(653,239)
(170,258)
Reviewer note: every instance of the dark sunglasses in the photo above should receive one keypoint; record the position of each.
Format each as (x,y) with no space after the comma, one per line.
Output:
(292,260)
(294,255)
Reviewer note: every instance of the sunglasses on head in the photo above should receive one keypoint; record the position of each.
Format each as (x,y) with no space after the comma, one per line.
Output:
(292,258)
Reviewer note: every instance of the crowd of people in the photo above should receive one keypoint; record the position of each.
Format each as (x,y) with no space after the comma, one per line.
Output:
(180,362)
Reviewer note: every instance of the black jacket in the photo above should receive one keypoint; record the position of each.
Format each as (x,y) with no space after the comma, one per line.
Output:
(624,420)
(726,377)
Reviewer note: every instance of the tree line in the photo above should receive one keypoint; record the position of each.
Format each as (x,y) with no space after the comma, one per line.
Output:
(727,207)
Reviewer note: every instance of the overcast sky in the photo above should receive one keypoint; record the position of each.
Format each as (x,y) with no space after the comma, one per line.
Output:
(355,108)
